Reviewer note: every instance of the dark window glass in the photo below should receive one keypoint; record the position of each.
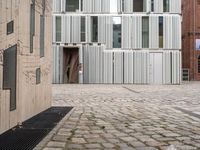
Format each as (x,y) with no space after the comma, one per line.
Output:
(152,5)
(117,32)
(139,5)
(32,25)
(42,30)
(72,5)
(82,29)
(160,32)
(38,76)
(10,27)
(94,29)
(58,28)
(199,64)
(165,5)
(145,32)
(10,73)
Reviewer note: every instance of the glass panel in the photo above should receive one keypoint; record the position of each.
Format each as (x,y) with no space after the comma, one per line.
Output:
(58,29)
(113,5)
(145,32)
(165,5)
(117,32)
(82,29)
(152,5)
(94,29)
(139,5)
(38,76)
(42,30)
(72,5)
(160,32)
(10,27)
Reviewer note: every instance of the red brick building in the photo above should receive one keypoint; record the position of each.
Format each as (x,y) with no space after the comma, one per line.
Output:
(190,36)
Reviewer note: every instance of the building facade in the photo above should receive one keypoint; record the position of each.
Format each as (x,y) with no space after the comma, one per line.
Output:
(117,41)
(191,38)
(25,60)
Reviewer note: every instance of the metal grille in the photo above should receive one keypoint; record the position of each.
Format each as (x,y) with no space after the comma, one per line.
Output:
(32,131)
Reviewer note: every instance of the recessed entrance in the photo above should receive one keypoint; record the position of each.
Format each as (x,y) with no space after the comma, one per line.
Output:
(70,65)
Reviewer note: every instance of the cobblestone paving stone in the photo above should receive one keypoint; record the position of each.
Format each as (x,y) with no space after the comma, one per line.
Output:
(128,117)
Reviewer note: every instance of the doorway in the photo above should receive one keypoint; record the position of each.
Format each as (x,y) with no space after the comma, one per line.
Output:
(70,65)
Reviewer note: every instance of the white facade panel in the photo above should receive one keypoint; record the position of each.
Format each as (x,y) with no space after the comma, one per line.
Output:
(128,67)
(118,65)
(154,32)
(108,67)
(136,32)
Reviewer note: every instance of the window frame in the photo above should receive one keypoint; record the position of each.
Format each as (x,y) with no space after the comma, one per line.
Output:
(10,25)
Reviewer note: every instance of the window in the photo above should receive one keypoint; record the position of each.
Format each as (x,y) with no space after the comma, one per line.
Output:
(38,76)
(165,5)
(113,5)
(42,29)
(152,5)
(117,32)
(139,5)
(94,29)
(160,32)
(72,5)
(82,29)
(145,32)
(10,73)
(32,25)
(199,64)
(10,27)
(58,28)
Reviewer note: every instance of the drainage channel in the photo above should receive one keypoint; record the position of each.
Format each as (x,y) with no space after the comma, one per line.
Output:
(131,90)
(188,112)
(32,131)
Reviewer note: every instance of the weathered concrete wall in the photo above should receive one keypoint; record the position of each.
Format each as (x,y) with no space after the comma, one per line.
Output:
(31,98)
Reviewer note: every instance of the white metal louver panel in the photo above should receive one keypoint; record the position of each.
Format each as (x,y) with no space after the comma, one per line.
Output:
(108,67)
(136,32)
(63,5)
(102,29)
(85,64)
(167,33)
(66,29)
(175,6)
(88,29)
(128,6)
(75,29)
(141,70)
(153,32)
(118,67)
(172,32)
(87,6)
(176,65)
(126,32)
(158,6)
(128,67)
(109,32)
(97,6)
(56,5)
(105,6)
(81,63)
(166,67)
(176,32)
(57,64)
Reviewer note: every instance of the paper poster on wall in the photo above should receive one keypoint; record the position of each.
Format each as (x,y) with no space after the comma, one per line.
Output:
(197,44)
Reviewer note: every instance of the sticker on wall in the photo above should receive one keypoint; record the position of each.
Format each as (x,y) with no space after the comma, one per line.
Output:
(197,44)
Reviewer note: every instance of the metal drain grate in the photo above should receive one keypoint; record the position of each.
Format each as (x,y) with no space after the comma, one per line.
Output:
(32,131)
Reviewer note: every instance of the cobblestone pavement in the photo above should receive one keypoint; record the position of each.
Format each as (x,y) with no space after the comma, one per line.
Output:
(128,117)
